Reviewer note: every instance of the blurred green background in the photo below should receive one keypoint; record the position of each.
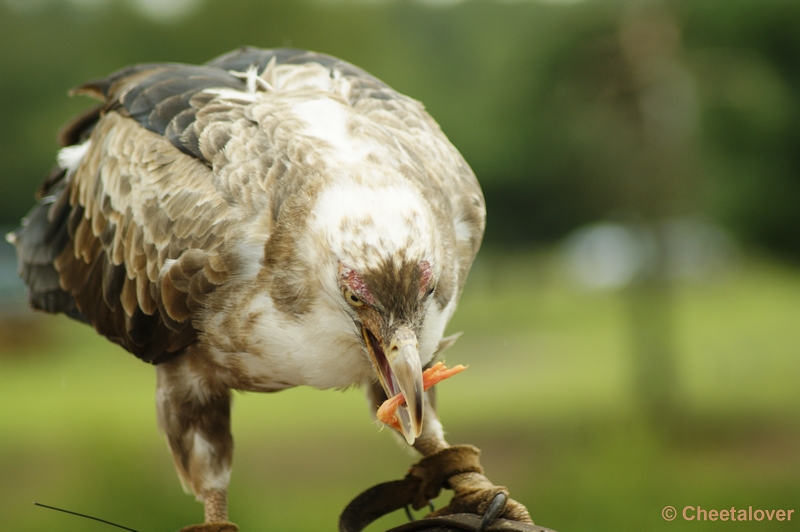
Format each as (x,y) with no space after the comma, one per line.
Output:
(632,324)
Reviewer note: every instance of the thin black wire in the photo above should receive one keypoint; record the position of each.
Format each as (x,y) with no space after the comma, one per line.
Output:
(86,516)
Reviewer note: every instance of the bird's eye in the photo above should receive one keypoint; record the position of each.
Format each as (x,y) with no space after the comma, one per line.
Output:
(353,299)
(430,291)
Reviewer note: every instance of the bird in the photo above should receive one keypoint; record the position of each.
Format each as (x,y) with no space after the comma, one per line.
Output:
(272,218)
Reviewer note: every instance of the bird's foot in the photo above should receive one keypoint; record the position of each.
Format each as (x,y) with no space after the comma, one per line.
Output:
(458,468)
(475,494)
(219,526)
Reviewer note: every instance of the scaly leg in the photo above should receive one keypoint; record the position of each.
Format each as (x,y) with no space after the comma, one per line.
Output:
(431,440)
(194,413)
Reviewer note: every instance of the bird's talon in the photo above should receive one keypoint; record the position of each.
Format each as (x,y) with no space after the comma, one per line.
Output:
(495,509)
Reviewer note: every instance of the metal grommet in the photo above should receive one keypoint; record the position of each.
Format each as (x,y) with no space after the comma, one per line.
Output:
(496,506)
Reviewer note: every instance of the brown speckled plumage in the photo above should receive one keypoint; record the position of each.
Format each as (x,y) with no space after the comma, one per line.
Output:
(200,217)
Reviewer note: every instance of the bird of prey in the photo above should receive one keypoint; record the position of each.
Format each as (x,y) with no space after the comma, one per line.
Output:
(270,219)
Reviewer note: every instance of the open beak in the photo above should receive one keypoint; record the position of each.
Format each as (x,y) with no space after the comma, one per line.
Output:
(400,371)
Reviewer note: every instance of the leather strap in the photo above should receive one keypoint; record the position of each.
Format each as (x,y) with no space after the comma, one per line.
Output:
(378,501)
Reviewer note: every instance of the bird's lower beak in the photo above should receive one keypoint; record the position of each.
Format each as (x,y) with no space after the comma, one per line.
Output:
(401,372)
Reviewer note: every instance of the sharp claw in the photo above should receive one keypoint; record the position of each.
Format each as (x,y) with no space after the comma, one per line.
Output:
(495,508)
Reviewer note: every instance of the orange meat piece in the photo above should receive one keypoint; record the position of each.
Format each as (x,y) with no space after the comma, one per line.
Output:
(436,373)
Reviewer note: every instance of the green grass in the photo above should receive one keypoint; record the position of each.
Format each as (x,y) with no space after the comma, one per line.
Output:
(548,397)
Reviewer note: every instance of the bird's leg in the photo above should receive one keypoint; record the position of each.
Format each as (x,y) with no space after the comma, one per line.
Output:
(431,440)
(194,413)
(215,505)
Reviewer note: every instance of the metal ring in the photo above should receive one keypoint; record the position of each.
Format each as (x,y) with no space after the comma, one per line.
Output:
(496,506)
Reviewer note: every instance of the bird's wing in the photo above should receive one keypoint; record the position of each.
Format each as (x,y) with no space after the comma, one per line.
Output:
(126,235)
(128,228)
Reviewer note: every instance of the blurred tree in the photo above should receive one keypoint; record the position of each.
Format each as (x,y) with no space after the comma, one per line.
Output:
(659,181)
(630,110)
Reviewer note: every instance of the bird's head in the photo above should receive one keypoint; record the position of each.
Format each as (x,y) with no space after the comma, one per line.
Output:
(389,304)
(393,283)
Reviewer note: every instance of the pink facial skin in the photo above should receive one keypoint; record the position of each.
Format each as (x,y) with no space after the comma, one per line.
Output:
(356,284)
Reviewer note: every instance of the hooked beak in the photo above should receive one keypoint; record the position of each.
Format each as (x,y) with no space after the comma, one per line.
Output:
(400,371)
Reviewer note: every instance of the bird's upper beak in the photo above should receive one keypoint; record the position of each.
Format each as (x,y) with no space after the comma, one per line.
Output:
(400,371)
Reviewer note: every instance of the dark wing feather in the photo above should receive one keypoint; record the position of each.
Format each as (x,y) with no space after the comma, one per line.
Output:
(96,245)
(39,241)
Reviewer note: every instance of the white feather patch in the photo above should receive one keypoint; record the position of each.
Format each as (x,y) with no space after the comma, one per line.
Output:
(70,157)
(204,454)
(251,77)
(233,95)
(326,120)
(464,230)
(365,224)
